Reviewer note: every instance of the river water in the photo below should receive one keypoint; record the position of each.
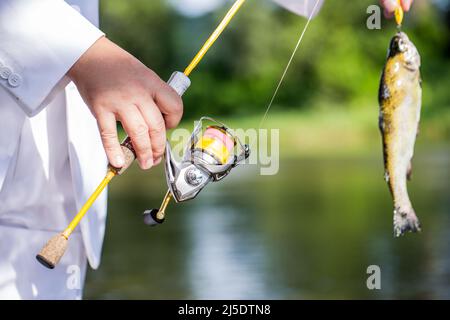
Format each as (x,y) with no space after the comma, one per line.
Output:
(311,231)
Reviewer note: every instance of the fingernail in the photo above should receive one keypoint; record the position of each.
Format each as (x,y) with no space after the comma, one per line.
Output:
(148,164)
(119,161)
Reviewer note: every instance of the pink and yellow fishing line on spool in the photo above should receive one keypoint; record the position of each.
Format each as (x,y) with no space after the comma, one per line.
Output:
(216,142)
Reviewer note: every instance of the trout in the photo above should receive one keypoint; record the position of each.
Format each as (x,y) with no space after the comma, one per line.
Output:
(400,99)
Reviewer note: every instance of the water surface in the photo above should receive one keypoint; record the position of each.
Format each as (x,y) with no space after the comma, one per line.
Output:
(309,232)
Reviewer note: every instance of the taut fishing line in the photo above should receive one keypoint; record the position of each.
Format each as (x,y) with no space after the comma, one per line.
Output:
(289,64)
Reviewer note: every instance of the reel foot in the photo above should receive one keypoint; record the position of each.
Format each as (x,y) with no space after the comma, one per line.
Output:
(151,218)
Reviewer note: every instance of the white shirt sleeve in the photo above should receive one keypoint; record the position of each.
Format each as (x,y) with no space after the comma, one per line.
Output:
(40,40)
(304,8)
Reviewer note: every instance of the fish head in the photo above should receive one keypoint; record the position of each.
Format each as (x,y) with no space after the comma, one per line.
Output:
(403,47)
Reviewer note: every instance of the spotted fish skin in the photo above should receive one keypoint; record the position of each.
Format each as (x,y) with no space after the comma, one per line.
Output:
(400,99)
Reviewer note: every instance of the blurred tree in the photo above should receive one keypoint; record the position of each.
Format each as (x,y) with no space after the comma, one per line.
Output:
(339,62)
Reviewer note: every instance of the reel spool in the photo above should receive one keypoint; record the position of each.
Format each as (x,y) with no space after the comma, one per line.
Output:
(213,150)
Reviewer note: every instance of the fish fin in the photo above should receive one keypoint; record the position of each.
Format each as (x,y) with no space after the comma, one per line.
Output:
(381,126)
(410,166)
(409,172)
(383,90)
(405,221)
(381,123)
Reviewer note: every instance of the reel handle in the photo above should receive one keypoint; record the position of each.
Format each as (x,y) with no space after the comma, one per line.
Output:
(151,218)
(180,83)
(155,217)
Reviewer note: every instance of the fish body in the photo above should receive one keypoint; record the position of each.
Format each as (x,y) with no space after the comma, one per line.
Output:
(400,99)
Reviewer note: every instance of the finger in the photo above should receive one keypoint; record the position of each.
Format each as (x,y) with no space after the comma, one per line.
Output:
(157,161)
(136,128)
(389,7)
(170,105)
(388,14)
(108,131)
(157,127)
(406,4)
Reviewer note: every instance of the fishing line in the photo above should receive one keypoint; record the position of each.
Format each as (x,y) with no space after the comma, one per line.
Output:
(289,64)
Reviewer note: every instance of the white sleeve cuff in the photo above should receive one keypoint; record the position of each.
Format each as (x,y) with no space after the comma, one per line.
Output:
(40,41)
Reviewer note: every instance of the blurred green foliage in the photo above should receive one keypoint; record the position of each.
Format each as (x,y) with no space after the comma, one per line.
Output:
(337,66)
(275,231)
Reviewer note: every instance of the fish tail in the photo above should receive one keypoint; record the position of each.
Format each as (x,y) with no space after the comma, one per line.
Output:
(405,221)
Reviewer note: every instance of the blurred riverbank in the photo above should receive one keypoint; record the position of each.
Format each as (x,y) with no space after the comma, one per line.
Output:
(308,232)
(334,132)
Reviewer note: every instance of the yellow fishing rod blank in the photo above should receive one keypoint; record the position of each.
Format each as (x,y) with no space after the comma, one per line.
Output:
(214,36)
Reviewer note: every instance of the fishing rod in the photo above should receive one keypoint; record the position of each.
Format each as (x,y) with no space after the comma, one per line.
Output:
(212,152)
(212,149)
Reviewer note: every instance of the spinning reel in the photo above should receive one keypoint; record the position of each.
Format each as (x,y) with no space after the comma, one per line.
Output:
(212,152)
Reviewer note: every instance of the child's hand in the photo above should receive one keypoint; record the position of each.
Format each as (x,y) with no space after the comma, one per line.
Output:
(118,87)
(390,6)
